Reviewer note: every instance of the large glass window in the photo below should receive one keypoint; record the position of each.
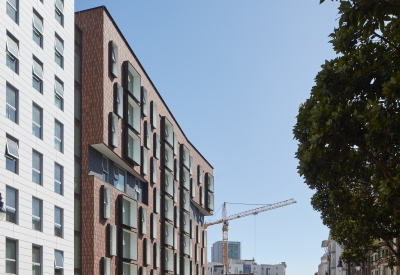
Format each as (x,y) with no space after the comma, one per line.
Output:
(37,116)
(11,104)
(59,10)
(59,51)
(58,179)
(11,205)
(58,136)
(37,75)
(11,256)
(58,221)
(12,55)
(37,31)
(59,93)
(12,155)
(105,169)
(119,178)
(36,260)
(37,167)
(36,214)
(12,9)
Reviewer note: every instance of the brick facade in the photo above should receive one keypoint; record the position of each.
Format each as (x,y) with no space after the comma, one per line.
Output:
(98,29)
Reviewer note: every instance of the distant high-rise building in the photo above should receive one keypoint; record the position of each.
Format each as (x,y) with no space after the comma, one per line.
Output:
(234,251)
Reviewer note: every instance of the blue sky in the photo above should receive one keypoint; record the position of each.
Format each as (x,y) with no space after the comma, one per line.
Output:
(233,73)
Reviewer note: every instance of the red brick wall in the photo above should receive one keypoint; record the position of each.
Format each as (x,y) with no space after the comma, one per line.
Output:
(97,102)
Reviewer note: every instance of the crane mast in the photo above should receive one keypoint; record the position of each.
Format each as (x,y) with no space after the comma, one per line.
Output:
(225,224)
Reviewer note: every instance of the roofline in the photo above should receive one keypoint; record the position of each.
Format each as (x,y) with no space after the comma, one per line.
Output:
(151,82)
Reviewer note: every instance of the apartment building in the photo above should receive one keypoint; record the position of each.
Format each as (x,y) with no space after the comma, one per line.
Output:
(36,134)
(234,251)
(142,187)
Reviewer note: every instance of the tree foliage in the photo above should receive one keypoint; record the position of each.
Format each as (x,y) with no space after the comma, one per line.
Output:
(349,130)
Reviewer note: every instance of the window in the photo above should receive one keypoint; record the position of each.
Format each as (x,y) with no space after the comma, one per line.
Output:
(37,75)
(145,157)
(113,58)
(59,9)
(58,262)
(11,256)
(133,147)
(169,158)
(169,234)
(153,168)
(36,214)
(58,221)
(185,156)
(132,81)
(12,55)
(169,208)
(143,219)
(36,260)
(107,266)
(105,169)
(129,245)
(37,32)
(77,139)
(113,240)
(210,200)
(129,212)
(119,178)
(12,9)
(168,132)
(37,117)
(11,104)
(11,205)
(169,259)
(58,179)
(131,268)
(154,114)
(58,136)
(77,252)
(12,155)
(59,51)
(77,216)
(169,183)
(114,130)
(210,182)
(36,167)
(144,101)
(77,176)
(58,93)
(107,202)
(118,100)
(154,225)
(147,129)
(134,114)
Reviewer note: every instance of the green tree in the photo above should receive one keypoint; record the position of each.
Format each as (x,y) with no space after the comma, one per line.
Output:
(348,131)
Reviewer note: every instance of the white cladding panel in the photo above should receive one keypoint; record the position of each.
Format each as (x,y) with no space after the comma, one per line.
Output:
(27,142)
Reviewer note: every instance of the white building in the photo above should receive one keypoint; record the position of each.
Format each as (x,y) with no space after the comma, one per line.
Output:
(333,251)
(37,136)
(234,251)
(247,267)
(323,266)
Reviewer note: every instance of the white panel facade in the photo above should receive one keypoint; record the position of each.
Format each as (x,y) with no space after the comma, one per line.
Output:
(22,131)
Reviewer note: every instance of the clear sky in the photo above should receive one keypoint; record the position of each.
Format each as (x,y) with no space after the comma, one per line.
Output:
(233,74)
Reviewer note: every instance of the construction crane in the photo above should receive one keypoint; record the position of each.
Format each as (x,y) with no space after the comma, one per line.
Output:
(225,223)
